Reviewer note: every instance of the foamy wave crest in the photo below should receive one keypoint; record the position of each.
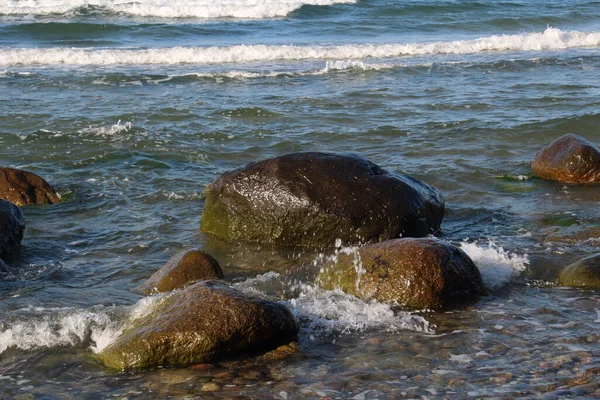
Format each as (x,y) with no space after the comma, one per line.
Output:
(98,327)
(202,9)
(550,39)
(497,266)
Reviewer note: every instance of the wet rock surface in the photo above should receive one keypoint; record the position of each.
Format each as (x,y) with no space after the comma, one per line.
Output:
(181,269)
(420,273)
(584,273)
(199,324)
(311,199)
(24,188)
(12,225)
(570,159)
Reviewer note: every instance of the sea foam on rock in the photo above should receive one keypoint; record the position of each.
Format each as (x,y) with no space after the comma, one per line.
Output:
(419,273)
(313,198)
(12,225)
(584,273)
(23,188)
(201,323)
(181,269)
(569,159)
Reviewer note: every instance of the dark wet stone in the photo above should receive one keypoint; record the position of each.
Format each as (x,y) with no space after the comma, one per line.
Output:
(12,225)
(420,273)
(199,324)
(181,269)
(23,188)
(569,159)
(311,199)
(584,273)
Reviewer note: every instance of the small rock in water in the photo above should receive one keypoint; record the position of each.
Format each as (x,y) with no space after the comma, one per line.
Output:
(584,273)
(12,225)
(23,188)
(210,387)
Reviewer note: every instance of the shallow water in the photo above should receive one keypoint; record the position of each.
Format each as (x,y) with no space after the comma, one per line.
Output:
(131,109)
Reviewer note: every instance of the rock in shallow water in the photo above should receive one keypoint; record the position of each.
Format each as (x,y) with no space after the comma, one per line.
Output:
(12,225)
(199,324)
(569,159)
(420,273)
(181,269)
(584,273)
(312,199)
(23,188)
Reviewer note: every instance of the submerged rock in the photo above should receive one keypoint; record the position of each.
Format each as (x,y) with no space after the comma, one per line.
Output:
(12,225)
(423,273)
(199,324)
(181,269)
(312,199)
(584,273)
(569,159)
(23,188)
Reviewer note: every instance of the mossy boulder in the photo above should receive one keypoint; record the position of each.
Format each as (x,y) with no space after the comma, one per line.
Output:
(23,188)
(199,324)
(181,269)
(418,273)
(311,199)
(569,159)
(584,273)
(12,225)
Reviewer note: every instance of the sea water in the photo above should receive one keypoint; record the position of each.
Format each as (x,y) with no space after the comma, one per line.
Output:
(131,108)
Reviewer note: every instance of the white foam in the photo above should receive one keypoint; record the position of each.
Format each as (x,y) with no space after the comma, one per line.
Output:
(497,266)
(67,326)
(201,9)
(550,39)
(108,131)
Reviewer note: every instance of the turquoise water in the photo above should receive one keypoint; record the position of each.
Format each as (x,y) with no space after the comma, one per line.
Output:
(131,109)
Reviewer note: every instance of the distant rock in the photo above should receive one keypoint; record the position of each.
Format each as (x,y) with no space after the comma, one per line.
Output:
(421,273)
(199,324)
(181,269)
(12,225)
(569,159)
(23,188)
(312,199)
(585,273)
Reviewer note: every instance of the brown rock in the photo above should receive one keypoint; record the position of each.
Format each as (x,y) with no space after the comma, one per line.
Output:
(584,273)
(569,159)
(312,199)
(23,188)
(12,225)
(417,273)
(181,269)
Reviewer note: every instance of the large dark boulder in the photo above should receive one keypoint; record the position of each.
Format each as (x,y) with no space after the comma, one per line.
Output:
(311,199)
(23,188)
(12,225)
(569,159)
(181,269)
(419,273)
(584,273)
(198,324)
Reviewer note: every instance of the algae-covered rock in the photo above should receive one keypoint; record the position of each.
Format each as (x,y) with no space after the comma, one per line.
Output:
(23,188)
(181,269)
(311,199)
(569,159)
(421,273)
(12,225)
(584,273)
(198,324)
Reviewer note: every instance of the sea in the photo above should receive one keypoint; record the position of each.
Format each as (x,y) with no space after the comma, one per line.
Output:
(130,108)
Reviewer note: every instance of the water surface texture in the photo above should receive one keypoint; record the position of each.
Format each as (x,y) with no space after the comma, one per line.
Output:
(131,108)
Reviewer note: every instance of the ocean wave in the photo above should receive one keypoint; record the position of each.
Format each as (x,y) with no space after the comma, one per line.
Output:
(202,9)
(550,39)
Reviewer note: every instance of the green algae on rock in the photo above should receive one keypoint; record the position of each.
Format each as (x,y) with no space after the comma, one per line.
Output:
(419,273)
(584,273)
(24,188)
(311,199)
(181,269)
(199,324)
(569,159)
